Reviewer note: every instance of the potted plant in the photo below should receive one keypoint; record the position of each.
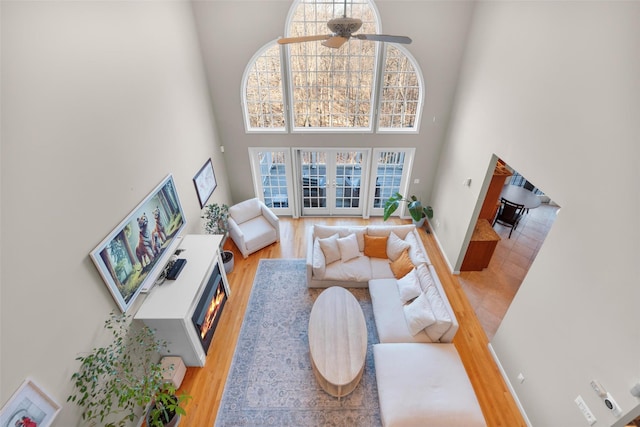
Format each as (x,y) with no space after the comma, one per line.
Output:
(217,222)
(418,212)
(115,382)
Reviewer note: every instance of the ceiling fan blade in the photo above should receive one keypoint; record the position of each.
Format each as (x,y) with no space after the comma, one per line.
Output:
(287,40)
(335,41)
(383,38)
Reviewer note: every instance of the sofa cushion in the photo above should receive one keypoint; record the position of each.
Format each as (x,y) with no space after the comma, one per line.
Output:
(330,248)
(359,232)
(258,233)
(384,230)
(402,265)
(395,246)
(375,246)
(244,211)
(380,268)
(418,314)
(424,277)
(416,254)
(443,319)
(388,313)
(424,385)
(324,231)
(349,248)
(318,261)
(409,286)
(355,270)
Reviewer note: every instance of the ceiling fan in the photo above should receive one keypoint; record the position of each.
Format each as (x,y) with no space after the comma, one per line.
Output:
(342,30)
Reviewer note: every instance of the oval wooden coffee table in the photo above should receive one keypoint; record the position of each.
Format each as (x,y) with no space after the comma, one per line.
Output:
(337,341)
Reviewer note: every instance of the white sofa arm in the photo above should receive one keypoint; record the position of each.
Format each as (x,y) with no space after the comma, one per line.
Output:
(309,261)
(237,236)
(272,219)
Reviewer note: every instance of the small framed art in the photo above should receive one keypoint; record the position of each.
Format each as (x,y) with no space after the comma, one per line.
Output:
(205,183)
(29,406)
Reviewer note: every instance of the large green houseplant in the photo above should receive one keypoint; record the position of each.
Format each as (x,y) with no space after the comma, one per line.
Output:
(116,382)
(416,210)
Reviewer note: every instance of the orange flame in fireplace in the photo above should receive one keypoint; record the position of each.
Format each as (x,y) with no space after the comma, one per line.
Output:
(212,312)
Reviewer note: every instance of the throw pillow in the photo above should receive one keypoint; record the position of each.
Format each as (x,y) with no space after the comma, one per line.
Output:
(318,260)
(424,277)
(375,247)
(395,246)
(349,248)
(402,265)
(359,232)
(443,320)
(409,287)
(330,248)
(418,314)
(415,252)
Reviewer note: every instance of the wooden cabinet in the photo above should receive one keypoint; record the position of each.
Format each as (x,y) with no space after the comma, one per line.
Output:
(481,247)
(492,199)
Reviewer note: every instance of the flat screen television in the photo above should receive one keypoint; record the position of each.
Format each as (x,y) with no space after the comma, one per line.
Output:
(131,258)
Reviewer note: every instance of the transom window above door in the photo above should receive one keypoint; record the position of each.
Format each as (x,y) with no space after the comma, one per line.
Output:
(307,87)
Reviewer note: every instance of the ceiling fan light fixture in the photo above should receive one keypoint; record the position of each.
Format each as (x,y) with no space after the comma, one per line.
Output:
(344,26)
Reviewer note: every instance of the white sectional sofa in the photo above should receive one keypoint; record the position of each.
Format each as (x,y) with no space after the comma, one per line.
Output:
(376,274)
(421,379)
(359,270)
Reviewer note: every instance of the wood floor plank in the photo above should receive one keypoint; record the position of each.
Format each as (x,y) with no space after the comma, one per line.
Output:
(206,384)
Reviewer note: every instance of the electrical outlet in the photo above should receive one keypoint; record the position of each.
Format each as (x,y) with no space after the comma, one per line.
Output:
(588,415)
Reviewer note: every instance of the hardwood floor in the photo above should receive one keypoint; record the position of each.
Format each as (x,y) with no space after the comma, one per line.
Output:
(206,384)
(491,290)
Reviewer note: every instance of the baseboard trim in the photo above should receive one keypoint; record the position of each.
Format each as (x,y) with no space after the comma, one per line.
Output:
(444,256)
(508,382)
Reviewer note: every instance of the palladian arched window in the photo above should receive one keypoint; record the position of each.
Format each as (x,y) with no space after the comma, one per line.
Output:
(307,87)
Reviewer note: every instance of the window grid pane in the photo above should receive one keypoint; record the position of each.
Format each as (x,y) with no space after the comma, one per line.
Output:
(332,88)
(389,166)
(401,91)
(263,97)
(273,177)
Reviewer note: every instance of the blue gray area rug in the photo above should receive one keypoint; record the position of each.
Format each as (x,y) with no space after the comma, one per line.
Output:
(271,382)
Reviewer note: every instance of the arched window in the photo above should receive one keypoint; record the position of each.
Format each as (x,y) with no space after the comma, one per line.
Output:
(304,87)
(262,94)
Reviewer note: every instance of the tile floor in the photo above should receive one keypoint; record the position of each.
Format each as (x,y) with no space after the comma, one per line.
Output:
(491,291)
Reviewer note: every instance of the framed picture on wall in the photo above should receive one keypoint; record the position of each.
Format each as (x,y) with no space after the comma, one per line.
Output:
(205,183)
(29,406)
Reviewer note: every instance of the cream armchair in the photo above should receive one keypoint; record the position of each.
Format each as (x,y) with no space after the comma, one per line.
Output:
(252,226)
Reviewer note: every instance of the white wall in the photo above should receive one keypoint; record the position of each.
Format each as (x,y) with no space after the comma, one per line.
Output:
(553,89)
(100,101)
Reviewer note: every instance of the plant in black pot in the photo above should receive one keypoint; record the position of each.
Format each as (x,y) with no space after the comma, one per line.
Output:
(216,221)
(116,382)
(418,212)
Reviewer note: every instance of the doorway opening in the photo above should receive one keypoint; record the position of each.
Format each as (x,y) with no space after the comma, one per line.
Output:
(500,263)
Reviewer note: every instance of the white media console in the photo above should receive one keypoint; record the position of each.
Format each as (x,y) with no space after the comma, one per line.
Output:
(170,307)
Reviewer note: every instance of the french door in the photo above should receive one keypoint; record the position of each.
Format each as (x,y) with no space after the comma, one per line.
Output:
(391,172)
(272,178)
(325,182)
(331,181)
